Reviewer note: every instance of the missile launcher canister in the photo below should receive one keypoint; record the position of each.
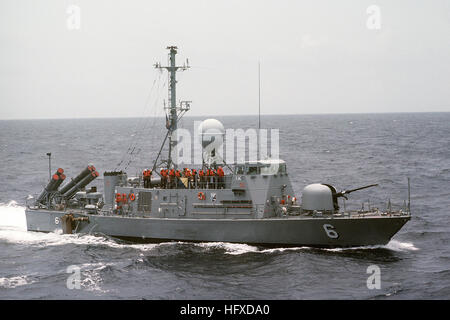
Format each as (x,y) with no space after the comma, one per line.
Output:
(89,169)
(53,185)
(80,185)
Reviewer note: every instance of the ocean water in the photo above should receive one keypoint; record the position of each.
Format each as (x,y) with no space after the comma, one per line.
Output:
(344,150)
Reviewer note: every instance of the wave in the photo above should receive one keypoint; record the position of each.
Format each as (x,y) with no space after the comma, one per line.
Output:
(13,229)
(39,239)
(12,215)
(13,282)
(401,246)
(242,248)
(237,249)
(91,276)
(393,245)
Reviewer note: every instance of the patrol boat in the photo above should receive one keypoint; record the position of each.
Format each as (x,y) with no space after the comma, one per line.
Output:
(250,202)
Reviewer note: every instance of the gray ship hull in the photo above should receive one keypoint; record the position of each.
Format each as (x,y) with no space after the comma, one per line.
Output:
(289,231)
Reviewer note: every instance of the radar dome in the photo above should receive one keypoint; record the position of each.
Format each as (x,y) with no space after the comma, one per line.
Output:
(211,130)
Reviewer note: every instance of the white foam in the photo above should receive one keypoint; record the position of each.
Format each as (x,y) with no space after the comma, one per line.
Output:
(285,249)
(230,248)
(91,279)
(401,246)
(40,239)
(394,245)
(13,282)
(13,229)
(12,216)
(238,248)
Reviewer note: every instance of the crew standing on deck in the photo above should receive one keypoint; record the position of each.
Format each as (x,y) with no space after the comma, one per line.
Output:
(210,178)
(221,178)
(177,178)
(171,178)
(188,176)
(201,176)
(163,178)
(194,178)
(147,176)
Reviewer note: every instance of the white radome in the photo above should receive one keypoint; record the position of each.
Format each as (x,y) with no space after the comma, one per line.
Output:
(317,197)
(211,130)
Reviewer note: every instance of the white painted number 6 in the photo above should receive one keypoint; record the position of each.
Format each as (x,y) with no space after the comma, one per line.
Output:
(56,220)
(331,233)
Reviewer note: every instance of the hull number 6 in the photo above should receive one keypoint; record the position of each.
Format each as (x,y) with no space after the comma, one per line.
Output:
(331,232)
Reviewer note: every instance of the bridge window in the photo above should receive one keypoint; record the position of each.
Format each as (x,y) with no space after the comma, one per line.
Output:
(239,170)
(253,170)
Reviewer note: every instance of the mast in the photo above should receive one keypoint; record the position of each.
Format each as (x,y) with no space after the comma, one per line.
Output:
(259,95)
(175,113)
(259,111)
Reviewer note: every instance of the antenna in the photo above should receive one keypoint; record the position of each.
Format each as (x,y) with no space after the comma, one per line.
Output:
(409,195)
(259,108)
(49,155)
(259,95)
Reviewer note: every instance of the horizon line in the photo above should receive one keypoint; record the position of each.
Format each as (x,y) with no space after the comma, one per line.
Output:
(227,115)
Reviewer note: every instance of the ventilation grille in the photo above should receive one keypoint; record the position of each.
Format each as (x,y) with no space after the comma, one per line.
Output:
(145,201)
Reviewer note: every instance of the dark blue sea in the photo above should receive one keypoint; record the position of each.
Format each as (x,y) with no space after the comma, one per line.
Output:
(347,151)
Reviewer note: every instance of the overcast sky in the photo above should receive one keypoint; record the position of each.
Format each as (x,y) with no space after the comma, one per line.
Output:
(321,56)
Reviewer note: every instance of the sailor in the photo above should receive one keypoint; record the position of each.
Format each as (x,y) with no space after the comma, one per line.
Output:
(147,178)
(185,178)
(201,176)
(194,178)
(144,177)
(163,178)
(207,178)
(178,177)
(214,177)
(171,178)
(221,174)
(188,175)
(210,175)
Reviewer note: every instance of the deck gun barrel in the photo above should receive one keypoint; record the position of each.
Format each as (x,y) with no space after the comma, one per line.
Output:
(345,192)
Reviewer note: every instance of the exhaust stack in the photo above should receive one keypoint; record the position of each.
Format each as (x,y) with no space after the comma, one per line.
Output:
(111,180)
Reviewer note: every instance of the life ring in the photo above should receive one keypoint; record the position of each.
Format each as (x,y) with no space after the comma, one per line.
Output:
(132,197)
(201,196)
